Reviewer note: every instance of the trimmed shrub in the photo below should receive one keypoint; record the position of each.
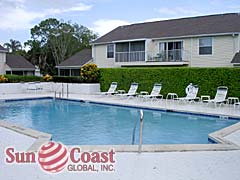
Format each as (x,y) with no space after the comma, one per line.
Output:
(174,79)
(16,78)
(90,73)
(66,79)
(47,78)
(3,79)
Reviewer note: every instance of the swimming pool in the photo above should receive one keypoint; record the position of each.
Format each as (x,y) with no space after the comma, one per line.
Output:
(73,122)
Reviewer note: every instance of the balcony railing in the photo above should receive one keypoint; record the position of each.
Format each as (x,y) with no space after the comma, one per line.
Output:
(177,55)
(133,56)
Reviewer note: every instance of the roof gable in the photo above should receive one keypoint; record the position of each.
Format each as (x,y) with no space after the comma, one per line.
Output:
(2,48)
(78,59)
(213,24)
(18,62)
(236,58)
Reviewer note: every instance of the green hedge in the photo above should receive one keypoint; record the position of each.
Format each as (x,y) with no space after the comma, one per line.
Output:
(65,79)
(174,79)
(16,78)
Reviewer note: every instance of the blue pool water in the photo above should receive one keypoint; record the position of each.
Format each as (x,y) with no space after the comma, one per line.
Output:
(72,123)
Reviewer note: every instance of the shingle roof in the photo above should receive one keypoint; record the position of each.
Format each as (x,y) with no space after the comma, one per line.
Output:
(212,24)
(2,48)
(18,62)
(236,58)
(78,59)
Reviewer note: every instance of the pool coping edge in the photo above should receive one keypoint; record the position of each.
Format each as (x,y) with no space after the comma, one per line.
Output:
(41,137)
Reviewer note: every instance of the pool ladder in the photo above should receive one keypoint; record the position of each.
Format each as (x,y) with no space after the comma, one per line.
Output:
(61,94)
(140,132)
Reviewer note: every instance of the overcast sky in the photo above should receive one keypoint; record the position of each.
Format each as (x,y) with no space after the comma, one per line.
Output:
(18,16)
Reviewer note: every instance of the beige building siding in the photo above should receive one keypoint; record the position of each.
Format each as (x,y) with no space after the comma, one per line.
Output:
(100,57)
(2,62)
(224,48)
(2,68)
(2,57)
(150,48)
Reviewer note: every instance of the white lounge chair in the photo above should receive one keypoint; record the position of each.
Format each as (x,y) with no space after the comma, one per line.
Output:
(132,91)
(236,104)
(220,96)
(191,93)
(155,92)
(112,89)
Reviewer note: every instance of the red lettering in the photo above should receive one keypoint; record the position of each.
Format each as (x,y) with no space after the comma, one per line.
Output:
(19,157)
(72,157)
(77,156)
(85,157)
(111,158)
(30,157)
(10,156)
(95,157)
(104,157)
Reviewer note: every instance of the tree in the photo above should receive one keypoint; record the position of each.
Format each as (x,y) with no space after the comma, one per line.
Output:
(40,55)
(62,38)
(13,45)
(84,36)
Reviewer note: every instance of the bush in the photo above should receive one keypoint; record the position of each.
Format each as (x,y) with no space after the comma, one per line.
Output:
(47,78)
(16,78)
(66,79)
(3,79)
(174,79)
(90,73)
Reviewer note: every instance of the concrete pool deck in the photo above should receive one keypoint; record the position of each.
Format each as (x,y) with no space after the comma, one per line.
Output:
(202,165)
(198,108)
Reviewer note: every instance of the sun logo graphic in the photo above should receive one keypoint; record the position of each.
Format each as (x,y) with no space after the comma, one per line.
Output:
(53,157)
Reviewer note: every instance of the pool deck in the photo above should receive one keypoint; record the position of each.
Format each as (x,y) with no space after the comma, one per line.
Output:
(191,165)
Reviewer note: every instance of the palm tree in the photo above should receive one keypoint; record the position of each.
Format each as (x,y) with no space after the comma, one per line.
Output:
(13,46)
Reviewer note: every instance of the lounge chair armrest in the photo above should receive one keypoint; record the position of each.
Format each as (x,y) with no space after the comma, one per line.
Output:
(197,98)
(136,94)
(205,98)
(144,93)
(121,91)
(160,96)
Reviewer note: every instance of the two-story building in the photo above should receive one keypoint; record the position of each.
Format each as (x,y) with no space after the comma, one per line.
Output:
(205,41)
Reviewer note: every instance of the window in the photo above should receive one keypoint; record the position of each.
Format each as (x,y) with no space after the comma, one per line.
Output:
(64,72)
(137,46)
(122,47)
(110,51)
(162,47)
(75,72)
(170,51)
(205,46)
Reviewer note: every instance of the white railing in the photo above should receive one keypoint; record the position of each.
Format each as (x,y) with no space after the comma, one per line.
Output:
(177,55)
(132,56)
(140,132)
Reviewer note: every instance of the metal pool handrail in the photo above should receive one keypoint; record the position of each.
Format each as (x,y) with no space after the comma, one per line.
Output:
(140,132)
(61,94)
